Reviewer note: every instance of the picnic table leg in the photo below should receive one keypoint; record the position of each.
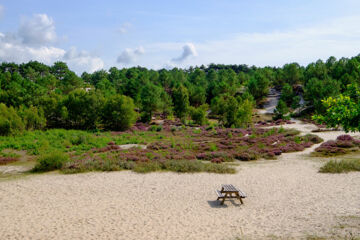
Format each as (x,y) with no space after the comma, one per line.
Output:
(223,200)
(238,195)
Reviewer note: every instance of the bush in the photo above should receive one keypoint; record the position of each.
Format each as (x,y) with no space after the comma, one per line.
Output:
(10,122)
(33,117)
(345,165)
(119,113)
(183,166)
(198,115)
(156,128)
(144,167)
(51,161)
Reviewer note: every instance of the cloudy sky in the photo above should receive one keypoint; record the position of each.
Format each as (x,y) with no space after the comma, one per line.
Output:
(92,35)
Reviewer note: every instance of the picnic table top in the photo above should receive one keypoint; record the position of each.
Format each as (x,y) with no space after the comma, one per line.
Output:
(228,188)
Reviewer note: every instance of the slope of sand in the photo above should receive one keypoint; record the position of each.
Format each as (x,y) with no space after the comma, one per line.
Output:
(287,198)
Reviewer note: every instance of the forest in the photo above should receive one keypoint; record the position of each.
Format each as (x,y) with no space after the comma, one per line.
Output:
(37,96)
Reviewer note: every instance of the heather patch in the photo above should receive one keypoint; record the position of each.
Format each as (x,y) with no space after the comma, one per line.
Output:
(342,145)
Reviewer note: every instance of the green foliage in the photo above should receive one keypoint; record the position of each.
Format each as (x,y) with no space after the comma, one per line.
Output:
(287,94)
(181,101)
(56,94)
(258,86)
(155,128)
(233,112)
(50,161)
(343,110)
(341,166)
(32,117)
(281,110)
(82,109)
(150,101)
(119,113)
(10,122)
(318,89)
(198,115)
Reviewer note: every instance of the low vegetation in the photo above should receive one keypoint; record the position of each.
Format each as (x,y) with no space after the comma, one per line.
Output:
(342,145)
(341,166)
(51,161)
(167,147)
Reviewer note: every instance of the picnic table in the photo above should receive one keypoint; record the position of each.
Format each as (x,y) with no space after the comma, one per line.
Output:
(229,191)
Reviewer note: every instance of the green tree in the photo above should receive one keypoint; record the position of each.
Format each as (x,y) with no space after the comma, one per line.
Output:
(181,101)
(198,115)
(281,110)
(32,117)
(316,90)
(119,113)
(258,86)
(150,101)
(343,110)
(10,121)
(287,94)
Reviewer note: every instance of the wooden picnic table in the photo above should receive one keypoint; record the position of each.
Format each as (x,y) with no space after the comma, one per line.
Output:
(229,191)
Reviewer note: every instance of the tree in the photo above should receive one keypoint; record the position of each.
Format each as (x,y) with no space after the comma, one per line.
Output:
(10,122)
(198,115)
(83,109)
(343,110)
(292,73)
(181,101)
(150,101)
(258,86)
(316,90)
(287,94)
(281,110)
(119,113)
(32,117)
(233,112)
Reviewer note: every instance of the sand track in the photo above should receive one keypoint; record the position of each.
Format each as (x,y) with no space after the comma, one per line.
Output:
(287,198)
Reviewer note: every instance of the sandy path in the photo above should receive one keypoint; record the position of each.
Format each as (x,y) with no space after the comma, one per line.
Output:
(286,198)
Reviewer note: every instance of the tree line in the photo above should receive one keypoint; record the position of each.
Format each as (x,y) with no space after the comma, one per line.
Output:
(36,96)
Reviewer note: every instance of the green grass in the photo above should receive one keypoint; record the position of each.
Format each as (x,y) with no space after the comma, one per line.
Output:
(41,142)
(341,166)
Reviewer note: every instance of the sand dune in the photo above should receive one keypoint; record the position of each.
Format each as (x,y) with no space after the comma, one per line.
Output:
(287,198)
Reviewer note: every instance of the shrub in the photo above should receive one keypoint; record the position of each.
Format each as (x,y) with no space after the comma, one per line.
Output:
(345,137)
(198,115)
(50,161)
(144,167)
(312,138)
(119,113)
(10,122)
(345,165)
(183,166)
(155,128)
(33,117)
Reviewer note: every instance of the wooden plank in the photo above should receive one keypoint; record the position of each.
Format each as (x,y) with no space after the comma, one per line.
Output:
(219,194)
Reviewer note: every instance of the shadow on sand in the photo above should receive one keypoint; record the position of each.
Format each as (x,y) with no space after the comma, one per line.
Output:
(216,203)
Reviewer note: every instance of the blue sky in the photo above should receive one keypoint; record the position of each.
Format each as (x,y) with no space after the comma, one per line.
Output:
(90,35)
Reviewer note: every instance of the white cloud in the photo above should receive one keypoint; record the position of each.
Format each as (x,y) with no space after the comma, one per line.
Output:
(38,30)
(188,51)
(32,42)
(13,51)
(338,37)
(82,60)
(124,28)
(129,55)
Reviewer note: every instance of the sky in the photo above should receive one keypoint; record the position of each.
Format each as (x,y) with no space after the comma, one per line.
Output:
(92,35)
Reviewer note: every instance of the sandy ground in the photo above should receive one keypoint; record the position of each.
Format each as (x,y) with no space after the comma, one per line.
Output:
(287,199)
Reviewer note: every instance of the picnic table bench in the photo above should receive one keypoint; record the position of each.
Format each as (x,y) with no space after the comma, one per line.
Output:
(228,191)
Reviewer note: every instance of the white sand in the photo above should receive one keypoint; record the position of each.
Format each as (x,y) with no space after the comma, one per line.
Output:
(287,198)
